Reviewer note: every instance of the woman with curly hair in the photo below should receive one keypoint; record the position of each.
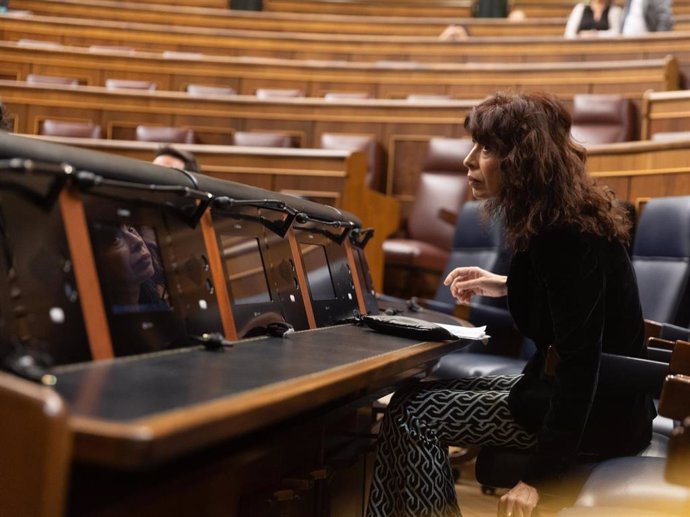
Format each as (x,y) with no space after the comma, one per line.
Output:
(571,289)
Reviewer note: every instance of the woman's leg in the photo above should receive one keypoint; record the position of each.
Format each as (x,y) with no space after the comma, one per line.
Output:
(412,475)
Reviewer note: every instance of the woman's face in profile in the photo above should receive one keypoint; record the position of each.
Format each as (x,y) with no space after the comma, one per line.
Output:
(483,171)
(127,257)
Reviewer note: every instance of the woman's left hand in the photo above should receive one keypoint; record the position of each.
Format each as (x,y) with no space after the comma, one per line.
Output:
(519,501)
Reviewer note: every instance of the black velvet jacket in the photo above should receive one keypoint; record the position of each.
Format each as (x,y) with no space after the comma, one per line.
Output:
(578,293)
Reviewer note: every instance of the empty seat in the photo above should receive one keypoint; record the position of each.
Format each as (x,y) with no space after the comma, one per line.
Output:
(115,84)
(70,128)
(51,79)
(666,136)
(428,97)
(367,143)
(603,119)
(442,184)
(110,48)
(202,89)
(262,139)
(173,135)
(270,93)
(334,96)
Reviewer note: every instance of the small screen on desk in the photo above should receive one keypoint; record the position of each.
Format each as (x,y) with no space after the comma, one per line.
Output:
(130,267)
(318,273)
(244,266)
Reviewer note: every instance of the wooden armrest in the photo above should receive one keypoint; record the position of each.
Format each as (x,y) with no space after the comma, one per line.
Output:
(680,359)
(675,397)
(447,216)
(652,328)
(679,455)
(664,344)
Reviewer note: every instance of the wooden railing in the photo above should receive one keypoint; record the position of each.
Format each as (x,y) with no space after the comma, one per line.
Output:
(315,79)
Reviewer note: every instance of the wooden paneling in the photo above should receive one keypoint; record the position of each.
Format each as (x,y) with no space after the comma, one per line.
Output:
(665,111)
(383,81)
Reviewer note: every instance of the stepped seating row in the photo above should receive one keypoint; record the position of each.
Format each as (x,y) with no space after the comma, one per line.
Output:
(402,128)
(316,79)
(313,21)
(348,47)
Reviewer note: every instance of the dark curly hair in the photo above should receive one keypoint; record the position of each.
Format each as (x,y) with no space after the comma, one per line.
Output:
(544,181)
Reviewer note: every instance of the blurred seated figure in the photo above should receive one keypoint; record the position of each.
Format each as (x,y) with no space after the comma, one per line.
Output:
(593,19)
(643,16)
(453,33)
(169,156)
(5,123)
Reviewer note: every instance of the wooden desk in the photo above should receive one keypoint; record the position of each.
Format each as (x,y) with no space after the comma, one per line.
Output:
(637,171)
(332,177)
(313,21)
(346,47)
(315,79)
(662,112)
(175,429)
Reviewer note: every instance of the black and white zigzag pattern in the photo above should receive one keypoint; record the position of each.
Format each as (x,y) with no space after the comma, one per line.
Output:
(412,475)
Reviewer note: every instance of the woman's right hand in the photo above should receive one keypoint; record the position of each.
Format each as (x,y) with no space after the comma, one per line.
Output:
(466,282)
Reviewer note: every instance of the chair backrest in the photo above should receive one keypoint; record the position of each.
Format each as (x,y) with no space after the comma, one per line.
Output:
(173,135)
(661,257)
(262,139)
(333,96)
(428,97)
(442,185)
(603,119)
(70,128)
(476,242)
(367,143)
(202,89)
(35,456)
(665,136)
(270,93)
(51,79)
(129,84)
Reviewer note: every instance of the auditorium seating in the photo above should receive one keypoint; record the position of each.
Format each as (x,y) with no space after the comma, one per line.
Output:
(51,79)
(129,84)
(164,134)
(603,119)
(75,129)
(425,246)
(262,139)
(272,93)
(356,142)
(202,89)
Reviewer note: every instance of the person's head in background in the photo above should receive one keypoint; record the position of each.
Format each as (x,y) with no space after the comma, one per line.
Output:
(168,156)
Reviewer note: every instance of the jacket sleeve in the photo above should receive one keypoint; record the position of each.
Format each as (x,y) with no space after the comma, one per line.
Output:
(574,20)
(570,271)
(659,15)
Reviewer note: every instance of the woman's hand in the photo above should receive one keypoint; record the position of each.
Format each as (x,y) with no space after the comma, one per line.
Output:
(465,282)
(519,501)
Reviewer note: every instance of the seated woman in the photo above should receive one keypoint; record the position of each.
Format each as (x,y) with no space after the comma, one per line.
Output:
(571,289)
(593,19)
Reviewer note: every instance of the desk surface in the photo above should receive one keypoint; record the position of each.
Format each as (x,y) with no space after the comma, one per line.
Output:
(136,411)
